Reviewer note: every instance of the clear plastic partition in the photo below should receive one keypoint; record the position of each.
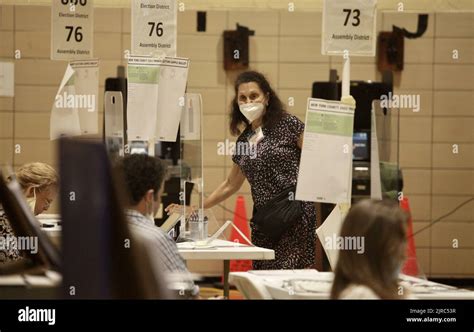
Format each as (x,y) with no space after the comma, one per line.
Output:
(391,175)
(387,129)
(192,179)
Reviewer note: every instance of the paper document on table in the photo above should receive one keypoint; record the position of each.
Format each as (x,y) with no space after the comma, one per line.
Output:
(375,182)
(329,231)
(289,273)
(64,120)
(325,165)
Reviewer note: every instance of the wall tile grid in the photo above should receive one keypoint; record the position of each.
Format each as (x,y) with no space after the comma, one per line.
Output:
(286,48)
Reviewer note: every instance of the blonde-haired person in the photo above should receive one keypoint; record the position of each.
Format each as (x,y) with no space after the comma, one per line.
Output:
(39,184)
(372,273)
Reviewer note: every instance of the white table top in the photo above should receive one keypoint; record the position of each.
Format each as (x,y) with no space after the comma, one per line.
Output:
(48,279)
(223,250)
(284,284)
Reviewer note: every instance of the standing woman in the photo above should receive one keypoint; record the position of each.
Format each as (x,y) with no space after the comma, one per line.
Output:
(271,166)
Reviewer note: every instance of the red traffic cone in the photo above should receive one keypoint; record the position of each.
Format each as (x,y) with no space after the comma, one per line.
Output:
(241,222)
(411,265)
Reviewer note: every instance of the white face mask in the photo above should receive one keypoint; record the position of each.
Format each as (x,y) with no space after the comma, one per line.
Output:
(251,111)
(32,201)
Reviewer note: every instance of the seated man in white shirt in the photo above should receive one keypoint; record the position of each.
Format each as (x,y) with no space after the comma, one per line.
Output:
(144,177)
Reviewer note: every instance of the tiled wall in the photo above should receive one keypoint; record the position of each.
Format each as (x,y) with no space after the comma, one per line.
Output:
(286,47)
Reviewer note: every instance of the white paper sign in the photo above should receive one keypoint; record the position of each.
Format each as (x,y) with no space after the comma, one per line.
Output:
(156,90)
(143,76)
(330,230)
(190,128)
(75,108)
(171,91)
(86,84)
(349,27)
(154,27)
(7,79)
(325,170)
(64,120)
(71,29)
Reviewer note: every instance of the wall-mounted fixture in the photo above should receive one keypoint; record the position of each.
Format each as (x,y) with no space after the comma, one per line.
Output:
(236,48)
(390,45)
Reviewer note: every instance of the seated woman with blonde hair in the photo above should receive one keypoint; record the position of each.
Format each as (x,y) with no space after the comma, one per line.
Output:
(39,184)
(372,273)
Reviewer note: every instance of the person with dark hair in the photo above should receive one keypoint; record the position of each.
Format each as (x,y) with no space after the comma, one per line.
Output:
(144,177)
(267,154)
(255,104)
(371,273)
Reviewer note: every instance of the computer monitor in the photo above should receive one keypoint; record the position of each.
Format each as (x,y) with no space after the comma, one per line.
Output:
(361,146)
(363,92)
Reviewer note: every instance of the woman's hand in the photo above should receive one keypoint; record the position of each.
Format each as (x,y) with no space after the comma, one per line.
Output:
(227,188)
(174,208)
(177,208)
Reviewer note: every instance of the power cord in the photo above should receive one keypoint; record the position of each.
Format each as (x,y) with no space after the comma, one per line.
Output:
(442,217)
(229,210)
(417,232)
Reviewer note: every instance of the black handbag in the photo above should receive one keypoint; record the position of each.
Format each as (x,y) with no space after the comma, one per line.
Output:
(278,215)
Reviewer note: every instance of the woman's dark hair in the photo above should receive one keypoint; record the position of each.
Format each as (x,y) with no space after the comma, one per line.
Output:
(141,173)
(382,225)
(274,111)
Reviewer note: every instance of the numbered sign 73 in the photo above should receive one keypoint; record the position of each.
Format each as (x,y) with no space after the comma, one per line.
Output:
(349,27)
